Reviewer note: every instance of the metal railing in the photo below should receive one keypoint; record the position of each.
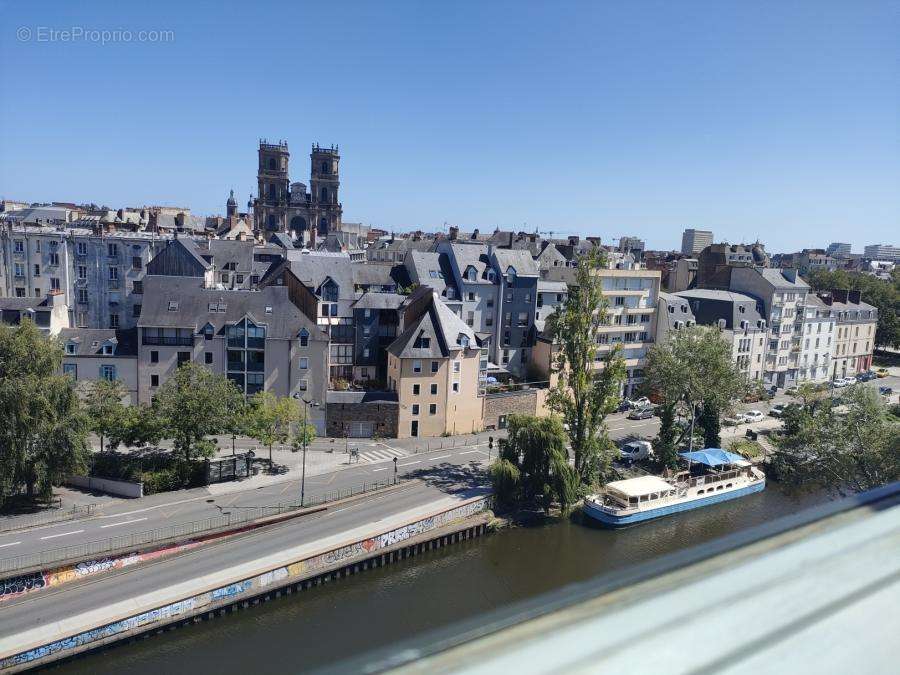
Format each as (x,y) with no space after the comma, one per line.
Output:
(231,516)
(10,523)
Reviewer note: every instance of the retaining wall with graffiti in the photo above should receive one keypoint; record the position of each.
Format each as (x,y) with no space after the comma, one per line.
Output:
(228,593)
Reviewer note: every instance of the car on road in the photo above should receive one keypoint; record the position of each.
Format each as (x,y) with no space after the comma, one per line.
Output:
(753,416)
(779,409)
(641,413)
(881,372)
(635,450)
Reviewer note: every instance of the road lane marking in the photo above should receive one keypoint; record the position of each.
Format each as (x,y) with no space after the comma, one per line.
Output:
(12,543)
(469,452)
(62,534)
(441,457)
(418,461)
(124,522)
(381,469)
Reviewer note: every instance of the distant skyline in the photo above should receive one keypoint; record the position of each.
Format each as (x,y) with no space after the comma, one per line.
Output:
(771,121)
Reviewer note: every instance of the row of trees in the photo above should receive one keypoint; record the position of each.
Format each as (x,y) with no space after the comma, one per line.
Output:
(45,425)
(191,406)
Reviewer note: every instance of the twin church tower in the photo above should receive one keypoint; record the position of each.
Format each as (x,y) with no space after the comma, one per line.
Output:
(282,206)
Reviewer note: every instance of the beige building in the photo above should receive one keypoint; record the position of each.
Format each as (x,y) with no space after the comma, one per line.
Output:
(92,354)
(855,327)
(633,293)
(435,367)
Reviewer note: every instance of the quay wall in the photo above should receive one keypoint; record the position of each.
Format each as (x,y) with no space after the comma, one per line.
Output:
(232,588)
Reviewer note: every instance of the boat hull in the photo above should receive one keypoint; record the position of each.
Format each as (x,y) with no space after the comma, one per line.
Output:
(614,521)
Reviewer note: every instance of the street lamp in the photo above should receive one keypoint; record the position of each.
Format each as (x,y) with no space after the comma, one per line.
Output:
(395,470)
(305,424)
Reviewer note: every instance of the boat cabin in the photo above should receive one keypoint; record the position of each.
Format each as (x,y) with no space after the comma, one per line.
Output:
(636,492)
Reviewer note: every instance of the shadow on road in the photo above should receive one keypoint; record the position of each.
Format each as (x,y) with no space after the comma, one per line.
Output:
(452,478)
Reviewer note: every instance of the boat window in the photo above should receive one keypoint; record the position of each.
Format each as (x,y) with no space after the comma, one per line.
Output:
(653,496)
(728,485)
(699,492)
(718,487)
(632,500)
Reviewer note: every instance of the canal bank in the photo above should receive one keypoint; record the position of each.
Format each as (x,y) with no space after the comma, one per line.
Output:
(324,624)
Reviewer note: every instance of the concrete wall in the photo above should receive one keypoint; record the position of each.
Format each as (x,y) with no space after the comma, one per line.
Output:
(121,488)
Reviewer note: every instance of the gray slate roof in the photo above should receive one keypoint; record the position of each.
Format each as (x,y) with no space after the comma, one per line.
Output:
(372,300)
(90,341)
(474,255)
(518,259)
(777,279)
(284,321)
(439,324)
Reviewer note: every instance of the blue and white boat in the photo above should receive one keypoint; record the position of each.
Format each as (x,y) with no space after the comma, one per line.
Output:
(713,475)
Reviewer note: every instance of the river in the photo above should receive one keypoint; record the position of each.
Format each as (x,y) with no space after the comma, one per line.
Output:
(322,625)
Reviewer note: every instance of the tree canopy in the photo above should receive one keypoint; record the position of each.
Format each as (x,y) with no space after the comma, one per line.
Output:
(43,434)
(584,395)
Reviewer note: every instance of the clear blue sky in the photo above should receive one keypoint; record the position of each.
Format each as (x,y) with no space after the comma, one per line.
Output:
(777,120)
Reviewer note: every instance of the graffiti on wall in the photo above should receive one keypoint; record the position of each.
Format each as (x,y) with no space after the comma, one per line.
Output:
(33,581)
(224,593)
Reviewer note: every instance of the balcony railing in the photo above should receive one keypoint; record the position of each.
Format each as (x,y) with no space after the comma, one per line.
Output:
(168,341)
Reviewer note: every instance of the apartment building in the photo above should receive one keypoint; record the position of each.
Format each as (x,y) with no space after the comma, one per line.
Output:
(736,315)
(100,274)
(882,252)
(633,294)
(855,326)
(470,273)
(93,354)
(693,241)
(518,278)
(49,313)
(435,366)
(781,295)
(258,339)
(817,336)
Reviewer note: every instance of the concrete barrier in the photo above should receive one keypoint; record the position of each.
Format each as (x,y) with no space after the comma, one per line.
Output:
(216,590)
(121,488)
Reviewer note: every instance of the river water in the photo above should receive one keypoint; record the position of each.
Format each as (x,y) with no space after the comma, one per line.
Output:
(323,625)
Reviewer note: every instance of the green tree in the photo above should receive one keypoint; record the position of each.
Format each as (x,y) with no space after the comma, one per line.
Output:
(533,467)
(142,426)
(269,419)
(43,433)
(194,404)
(301,436)
(105,411)
(693,372)
(850,445)
(582,396)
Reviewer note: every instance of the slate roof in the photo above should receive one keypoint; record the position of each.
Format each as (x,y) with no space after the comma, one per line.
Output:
(226,251)
(281,239)
(90,341)
(284,321)
(682,311)
(372,275)
(518,259)
(473,255)
(312,269)
(777,278)
(439,324)
(372,300)
(714,305)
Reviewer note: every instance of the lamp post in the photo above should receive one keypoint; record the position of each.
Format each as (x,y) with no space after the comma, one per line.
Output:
(306,405)
(395,470)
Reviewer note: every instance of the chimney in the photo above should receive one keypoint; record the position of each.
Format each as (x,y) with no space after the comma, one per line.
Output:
(854,297)
(454,232)
(840,294)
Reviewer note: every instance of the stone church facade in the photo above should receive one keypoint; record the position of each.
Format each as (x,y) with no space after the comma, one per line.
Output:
(282,206)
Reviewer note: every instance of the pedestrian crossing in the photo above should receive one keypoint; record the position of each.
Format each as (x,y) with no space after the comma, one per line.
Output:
(375,455)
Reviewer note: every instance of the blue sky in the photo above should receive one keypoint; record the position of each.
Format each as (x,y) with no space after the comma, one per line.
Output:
(770,120)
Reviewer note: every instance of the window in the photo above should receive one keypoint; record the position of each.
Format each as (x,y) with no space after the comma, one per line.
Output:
(71,347)
(82,272)
(112,250)
(456,387)
(456,366)
(154,357)
(137,287)
(54,283)
(81,248)
(366,353)
(183,357)
(173,305)
(509,296)
(417,366)
(54,259)
(304,338)
(416,389)
(70,369)
(415,408)
(37,270)
(113,320)
(19,246)
(304,362)
(432,409)
(19,270)
(154,380)
(434,366)
(207,357)
(523,319)
(108,373)
(422,342)
(434,390)
(471,275)
(136,263)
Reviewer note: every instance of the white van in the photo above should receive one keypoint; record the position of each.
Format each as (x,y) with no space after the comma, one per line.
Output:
(635,450)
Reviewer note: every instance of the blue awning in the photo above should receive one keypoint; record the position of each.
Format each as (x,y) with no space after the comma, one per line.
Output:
(713,457)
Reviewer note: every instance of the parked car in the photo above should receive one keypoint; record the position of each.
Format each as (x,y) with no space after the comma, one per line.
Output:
(885,391)
(641,413)
(866,376)
(839,382)
(778,409)
(642,402)
(624,406)
(754,416)
(635,450)
(881,372)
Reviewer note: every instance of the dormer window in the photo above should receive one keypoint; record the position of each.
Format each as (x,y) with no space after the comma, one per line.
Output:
(304,338)
(71,348)
(268,309)
(208,331)
(471,274)
(173,305)
(490,275)
(107,350)
(510,275)
(463,340)
(422,342)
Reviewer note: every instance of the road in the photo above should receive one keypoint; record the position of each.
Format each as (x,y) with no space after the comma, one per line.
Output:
(53,605)
(121,517)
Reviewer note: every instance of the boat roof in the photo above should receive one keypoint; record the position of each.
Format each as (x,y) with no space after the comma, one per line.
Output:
(642,485)
(714,457)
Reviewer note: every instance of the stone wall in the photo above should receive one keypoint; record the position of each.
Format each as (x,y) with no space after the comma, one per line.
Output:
(504,404)
(384,415)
